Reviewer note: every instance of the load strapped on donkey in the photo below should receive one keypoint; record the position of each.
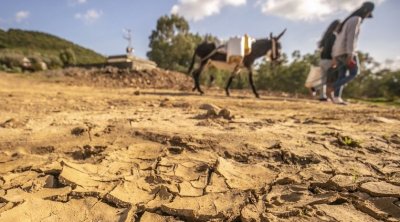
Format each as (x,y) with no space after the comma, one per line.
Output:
(237,48)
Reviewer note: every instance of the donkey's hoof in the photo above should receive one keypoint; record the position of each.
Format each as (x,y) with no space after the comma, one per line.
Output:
(257,96)
(194,89)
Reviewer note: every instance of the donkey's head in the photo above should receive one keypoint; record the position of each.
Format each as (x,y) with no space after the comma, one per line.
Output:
(274,53)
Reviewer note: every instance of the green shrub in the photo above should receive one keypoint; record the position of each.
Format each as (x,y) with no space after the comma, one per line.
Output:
(3,67)
(67,57)
(11,60)
(16,70)
(36,62)
(392,85)
(53,62)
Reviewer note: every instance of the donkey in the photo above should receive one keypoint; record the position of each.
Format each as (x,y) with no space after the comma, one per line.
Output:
(209,52)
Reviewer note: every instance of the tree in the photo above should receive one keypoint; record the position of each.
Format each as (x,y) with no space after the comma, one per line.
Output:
(296,55)
(171,44)
(391,82)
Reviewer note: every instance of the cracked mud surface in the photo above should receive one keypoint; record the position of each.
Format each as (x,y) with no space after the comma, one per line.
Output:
(75,153)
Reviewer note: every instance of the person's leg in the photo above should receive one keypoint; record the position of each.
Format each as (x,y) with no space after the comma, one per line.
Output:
(325,65)
(342,70)
(352,74)
(322,95)
(343,79)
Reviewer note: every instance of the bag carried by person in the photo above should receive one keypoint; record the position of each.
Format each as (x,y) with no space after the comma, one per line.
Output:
(314,77)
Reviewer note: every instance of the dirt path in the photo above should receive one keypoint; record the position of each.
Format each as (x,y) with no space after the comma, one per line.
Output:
(106,154)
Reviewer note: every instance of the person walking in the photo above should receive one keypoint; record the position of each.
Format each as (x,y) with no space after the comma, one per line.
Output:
(344,51)
(326,45)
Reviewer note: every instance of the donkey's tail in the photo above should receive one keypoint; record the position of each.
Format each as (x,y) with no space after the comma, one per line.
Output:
(192,63)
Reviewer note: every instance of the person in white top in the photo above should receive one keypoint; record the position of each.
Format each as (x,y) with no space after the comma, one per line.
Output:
(344,50)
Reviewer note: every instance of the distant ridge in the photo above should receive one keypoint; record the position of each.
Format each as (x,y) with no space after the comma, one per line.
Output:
(46,45)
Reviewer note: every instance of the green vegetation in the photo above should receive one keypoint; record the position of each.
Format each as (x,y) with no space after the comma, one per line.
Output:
(68,57)
(382,86)
(347,141)
(171,44)
(41,47)
(287,77)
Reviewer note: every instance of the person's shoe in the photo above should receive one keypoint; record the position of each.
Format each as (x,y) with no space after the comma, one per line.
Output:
(339,101)
(313,92)
(323,99)
(342,102)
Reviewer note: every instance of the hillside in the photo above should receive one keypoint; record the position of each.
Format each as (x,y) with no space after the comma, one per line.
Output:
(49,46)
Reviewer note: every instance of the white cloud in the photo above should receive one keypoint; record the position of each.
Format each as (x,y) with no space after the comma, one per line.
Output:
(21,15)
(196,10)
(76,2)
(90,16)
(393,64)
(307,10)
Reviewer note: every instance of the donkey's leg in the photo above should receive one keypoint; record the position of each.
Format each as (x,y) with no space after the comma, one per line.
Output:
(235,72)
(228,85)
(194,74)
(197,77)
(252,83)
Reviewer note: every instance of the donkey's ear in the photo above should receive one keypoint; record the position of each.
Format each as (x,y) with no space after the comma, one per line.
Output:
(271,35)
(280,35)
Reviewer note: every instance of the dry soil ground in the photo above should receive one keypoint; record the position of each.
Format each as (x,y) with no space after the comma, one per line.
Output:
(79,153)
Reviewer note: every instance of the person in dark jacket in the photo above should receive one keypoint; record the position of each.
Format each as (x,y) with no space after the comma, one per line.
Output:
(326,45)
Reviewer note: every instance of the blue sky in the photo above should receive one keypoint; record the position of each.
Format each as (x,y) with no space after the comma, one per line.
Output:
(99,24)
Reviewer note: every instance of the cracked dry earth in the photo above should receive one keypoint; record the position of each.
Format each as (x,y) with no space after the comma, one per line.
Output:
(74,153)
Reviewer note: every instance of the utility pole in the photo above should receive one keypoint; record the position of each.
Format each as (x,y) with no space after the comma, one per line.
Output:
(128,37)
